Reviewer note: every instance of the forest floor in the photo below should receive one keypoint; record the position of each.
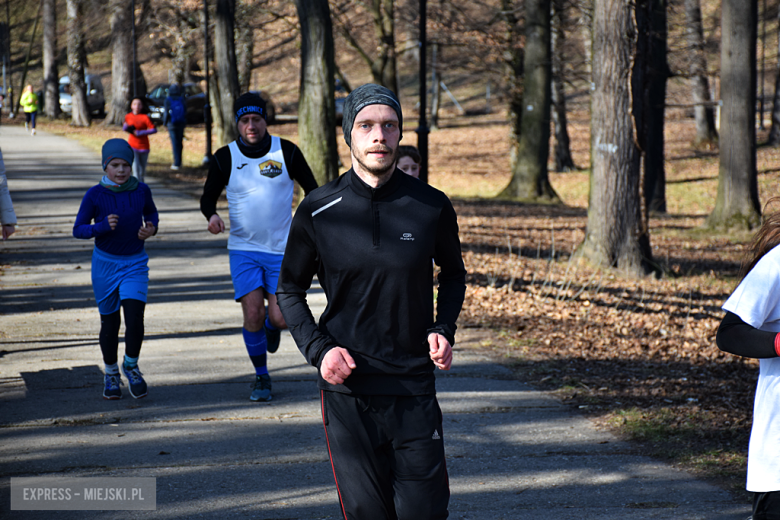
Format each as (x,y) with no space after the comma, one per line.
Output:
(636,355)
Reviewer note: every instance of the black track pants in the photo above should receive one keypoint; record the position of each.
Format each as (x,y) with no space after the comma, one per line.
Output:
(387,454)
(766,506)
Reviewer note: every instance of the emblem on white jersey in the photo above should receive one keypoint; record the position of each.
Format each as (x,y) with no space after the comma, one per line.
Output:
(271,169)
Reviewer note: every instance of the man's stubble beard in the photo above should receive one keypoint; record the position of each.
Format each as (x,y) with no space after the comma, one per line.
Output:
(375,171)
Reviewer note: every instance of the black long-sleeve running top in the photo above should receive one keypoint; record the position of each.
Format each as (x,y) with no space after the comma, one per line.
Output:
(740,338)
(371,249)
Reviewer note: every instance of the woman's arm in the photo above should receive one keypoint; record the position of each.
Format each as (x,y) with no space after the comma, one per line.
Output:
(737,337)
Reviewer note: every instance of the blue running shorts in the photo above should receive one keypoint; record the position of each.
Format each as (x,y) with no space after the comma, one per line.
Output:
(116,278)
(251,270)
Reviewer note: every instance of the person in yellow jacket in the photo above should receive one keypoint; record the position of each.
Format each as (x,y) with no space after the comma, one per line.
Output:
(29,104)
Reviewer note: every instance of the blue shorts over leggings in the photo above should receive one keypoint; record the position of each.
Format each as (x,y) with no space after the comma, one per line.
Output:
(116,278)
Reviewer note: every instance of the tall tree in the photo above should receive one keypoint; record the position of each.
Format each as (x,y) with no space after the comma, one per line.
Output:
(700,89)
(562,150)
(317,105)
(586,24)
(245,47)
(737,205)
(51,94)
(774,132)
(224,89)
(121,20)
(531,148)
(76,61)
(384,70)
(651,43)
(177,24)
(616,234)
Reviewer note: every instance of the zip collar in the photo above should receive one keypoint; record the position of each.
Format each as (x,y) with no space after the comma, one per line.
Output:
(364,190)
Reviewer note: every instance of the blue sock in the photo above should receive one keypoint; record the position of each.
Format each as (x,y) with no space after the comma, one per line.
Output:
(112,369)
(257,346)
(130,362)
(268,324)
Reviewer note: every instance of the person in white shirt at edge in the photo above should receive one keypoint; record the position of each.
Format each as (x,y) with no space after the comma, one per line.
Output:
(751,328)
(257,171)
(7,215)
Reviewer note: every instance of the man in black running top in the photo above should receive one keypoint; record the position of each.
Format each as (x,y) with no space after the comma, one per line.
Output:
(257,171)
(370,236)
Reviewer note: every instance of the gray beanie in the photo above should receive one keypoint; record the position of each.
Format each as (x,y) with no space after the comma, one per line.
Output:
(361,97)
(117,149)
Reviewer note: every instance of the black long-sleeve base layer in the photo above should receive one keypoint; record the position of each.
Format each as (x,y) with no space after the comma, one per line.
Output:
(737,337)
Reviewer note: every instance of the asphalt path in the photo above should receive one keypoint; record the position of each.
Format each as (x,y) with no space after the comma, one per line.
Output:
(512,452)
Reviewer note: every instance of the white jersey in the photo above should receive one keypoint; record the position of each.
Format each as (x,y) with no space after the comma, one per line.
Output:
(259,193)
(757,302)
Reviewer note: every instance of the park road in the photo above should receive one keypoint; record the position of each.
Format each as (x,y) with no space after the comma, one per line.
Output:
(512,452)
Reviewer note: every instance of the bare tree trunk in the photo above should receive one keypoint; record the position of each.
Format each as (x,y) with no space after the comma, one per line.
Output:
(390,72)
(774,132)
(244,56)
(514,72)
(616,235)
(435,88)
(225,71)
(317,105)
(78,89)
(586,25)
(529,168)
(562,153)
(653,33)
(181,62)
(121,19)
(176,25)
(51,95)
(245,45)
(700,89)
(737,204)
(383,67)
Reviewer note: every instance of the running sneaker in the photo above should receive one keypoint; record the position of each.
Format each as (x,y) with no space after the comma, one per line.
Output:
(135,382)
(272,336)
(111,389)
(262,391)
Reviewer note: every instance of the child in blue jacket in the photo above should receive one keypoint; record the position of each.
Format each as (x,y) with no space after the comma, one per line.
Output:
(124,216)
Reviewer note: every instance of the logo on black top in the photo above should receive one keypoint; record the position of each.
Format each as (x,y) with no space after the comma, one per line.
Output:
(271,169)
(407,236)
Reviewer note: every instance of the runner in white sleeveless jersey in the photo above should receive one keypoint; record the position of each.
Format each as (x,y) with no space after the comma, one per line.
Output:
(257,172)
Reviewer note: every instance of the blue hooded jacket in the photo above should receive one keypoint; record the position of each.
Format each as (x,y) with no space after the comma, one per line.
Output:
(174,91)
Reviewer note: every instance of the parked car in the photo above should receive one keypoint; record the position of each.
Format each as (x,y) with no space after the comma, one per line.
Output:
(194,101)
(95,98)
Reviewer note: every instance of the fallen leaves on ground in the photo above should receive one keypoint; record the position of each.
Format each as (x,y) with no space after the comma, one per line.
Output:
(639,355)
